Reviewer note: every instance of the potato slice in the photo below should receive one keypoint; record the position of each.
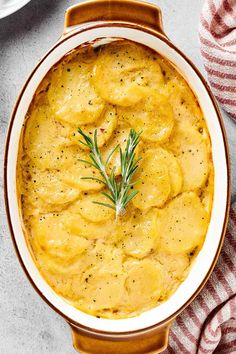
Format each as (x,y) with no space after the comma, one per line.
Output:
(48,188)
(72,96)
(143,284)
(152,181)
(138,237)
(58,157)
(185,106)
(120,76)
(175,264)
(45,138)
(101,285)
(98,293)
(90,211)
(175,172)
(105,127)
(54,239)
(73,177)
(108,258)
(192,153)
(77,225)
(66,267)
(153,116)
(99,266)
(53,191)
(182,224)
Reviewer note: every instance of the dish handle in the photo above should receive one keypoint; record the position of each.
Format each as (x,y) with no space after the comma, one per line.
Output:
(149,342)
(116,11)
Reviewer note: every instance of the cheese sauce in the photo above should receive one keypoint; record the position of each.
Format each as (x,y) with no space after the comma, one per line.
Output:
(106,266)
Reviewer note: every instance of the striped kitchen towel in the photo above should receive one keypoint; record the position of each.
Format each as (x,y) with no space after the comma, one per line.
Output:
(218,48)
(208,325)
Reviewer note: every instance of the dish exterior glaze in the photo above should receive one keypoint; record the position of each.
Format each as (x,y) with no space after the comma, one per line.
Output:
(109,267)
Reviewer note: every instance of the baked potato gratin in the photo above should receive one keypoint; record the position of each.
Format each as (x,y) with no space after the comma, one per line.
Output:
(109,265)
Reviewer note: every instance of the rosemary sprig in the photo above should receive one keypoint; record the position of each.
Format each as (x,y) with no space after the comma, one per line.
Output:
(120,193)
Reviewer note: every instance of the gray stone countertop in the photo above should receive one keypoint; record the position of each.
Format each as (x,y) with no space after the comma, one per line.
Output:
(27,324)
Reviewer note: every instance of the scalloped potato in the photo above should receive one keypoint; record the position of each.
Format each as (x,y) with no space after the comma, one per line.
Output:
(108,266)
(120,74)
(192,152)
(182,224)
(153,115)
(159,178)
(105,126)
(71,96)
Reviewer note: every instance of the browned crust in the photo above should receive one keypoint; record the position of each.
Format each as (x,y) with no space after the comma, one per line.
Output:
(89,331)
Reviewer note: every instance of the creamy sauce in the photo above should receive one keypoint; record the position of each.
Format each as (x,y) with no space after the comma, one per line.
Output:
(106,266)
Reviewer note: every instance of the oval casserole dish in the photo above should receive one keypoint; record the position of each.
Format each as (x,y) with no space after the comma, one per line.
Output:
(139,22)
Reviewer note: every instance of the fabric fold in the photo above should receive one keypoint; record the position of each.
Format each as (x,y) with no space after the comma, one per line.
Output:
(217,33)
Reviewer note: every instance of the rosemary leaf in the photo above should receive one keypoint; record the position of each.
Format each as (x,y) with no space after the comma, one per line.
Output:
(108,196)
(105,204)
(110,155)
(87,162)
(94,179)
